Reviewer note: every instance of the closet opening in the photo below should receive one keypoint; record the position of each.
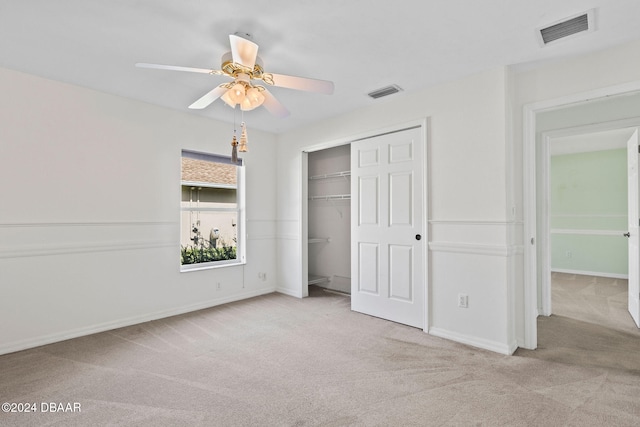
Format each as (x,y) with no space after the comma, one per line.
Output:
(328,225)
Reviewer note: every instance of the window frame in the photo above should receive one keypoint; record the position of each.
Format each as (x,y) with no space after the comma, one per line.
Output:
(240,209)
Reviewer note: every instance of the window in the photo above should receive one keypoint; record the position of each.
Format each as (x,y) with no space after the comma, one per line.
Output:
(211,211)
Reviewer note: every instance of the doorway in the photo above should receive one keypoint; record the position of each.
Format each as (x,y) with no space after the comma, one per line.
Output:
(583,204)
(610,109)
(329,218)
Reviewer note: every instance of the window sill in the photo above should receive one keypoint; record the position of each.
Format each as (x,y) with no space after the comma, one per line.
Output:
(209,266)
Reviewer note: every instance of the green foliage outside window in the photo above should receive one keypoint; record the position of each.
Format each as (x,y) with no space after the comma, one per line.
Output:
(206,250)
(196,254)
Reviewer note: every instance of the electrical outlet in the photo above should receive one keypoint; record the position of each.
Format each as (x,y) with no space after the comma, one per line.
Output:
(218,286)
(463,301)
(569,254)
(262,276)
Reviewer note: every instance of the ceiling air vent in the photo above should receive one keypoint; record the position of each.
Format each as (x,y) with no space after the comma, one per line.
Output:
(385,91)
(567,27)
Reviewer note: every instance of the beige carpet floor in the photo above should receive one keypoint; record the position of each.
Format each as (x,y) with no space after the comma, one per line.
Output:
(281,361)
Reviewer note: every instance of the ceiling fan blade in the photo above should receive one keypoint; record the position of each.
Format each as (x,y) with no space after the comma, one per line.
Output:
(302,83)
(243,51)
(273,105)
(176,68)
(206,100)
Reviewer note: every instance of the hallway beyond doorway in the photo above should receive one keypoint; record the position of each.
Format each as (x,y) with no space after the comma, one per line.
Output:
(590,326)
(591,299)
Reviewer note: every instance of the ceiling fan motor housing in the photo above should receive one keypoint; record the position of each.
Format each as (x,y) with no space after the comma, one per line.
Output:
(233,69)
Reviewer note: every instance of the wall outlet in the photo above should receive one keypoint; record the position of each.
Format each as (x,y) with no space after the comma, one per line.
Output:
(569,254)
(262,276)
(463,301)
(218,286)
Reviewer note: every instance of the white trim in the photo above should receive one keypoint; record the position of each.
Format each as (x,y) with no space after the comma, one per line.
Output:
(79,248)
(424,135)
(89,224)
(192,209)
(288,237)
(544,239)
(304,215)
(590,273)
(255,236)
(64,248)
(530,291)
(630,122)
(134,320)
(589,216)
(194,184)
(588,232)
(475,249)
(474,341)
(291,292)
(473,222)
(199,266)
(529,193)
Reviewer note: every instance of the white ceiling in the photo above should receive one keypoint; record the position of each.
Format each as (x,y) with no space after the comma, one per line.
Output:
(360,45)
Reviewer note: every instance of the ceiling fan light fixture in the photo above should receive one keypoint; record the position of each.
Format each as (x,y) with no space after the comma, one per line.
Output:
(227,99)
(243,66)
(245,105)
(237,93)
(255,96)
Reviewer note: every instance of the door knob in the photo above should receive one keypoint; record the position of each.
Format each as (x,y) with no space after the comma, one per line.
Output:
(627,234)
(418,237)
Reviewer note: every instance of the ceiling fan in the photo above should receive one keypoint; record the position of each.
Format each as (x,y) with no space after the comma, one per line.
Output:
(244,66)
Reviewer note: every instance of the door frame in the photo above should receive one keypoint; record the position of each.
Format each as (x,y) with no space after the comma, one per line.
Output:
(304,194)
(531,210)
(632,226)
(546,141)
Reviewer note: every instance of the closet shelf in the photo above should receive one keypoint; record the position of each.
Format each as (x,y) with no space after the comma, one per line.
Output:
(331,197)
(314,280)
(331,175)
(318,240)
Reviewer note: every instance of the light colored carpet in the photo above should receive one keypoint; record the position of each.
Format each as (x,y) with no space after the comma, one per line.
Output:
(281,361)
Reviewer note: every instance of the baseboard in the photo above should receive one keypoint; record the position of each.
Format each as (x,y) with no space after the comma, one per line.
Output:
(12,347)
(494,346)
(591,273)
(292,293)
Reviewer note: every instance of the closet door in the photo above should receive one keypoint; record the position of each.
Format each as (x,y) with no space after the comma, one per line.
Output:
(387,256)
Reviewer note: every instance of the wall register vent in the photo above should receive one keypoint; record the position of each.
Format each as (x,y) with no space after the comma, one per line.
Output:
(385,91)
(572,26)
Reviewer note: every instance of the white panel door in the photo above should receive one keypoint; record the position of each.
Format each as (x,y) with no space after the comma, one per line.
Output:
(633,228)
(387,265)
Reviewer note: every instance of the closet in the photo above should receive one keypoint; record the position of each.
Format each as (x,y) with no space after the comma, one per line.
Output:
(329,221)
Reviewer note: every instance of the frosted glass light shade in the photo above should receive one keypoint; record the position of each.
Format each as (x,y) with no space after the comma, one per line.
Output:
(237,93)
(256,98)
(245,105)
(227,99)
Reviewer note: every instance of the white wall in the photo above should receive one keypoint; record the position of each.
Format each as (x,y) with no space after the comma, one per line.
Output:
(467,194)
(89,217)
(586,74)
(97,247)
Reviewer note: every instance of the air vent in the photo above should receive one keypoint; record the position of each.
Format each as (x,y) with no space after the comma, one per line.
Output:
(385,91)
(568,27)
